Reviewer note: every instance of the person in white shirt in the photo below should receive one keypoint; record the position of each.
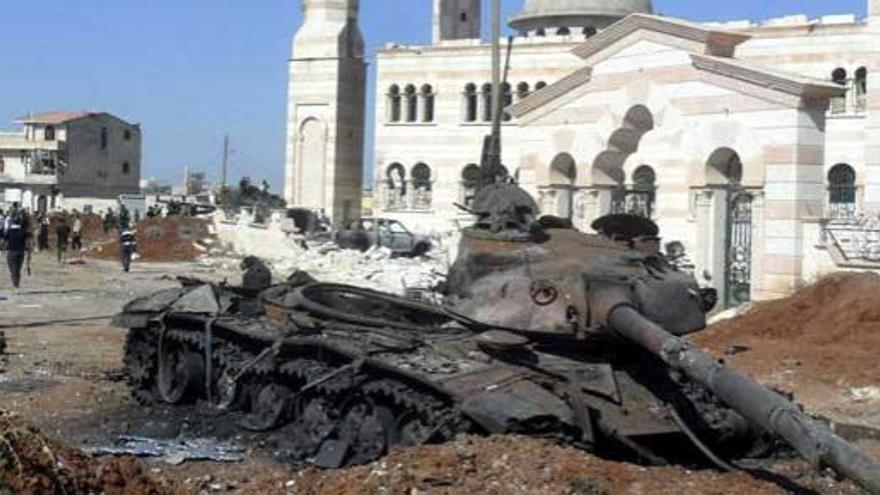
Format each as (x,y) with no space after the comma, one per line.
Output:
(76,231)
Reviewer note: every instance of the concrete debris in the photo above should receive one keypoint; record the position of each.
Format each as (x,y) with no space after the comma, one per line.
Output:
(172,452)
(864,394)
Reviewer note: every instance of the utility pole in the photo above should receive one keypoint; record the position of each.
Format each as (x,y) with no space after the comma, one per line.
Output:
(223,176)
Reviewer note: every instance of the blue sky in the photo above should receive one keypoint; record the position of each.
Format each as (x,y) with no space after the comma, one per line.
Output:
(192,70)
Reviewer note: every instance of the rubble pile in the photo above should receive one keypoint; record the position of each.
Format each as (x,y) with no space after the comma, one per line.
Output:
(32,464)
(374,269)
(509,464)
(169,239)
(829,332)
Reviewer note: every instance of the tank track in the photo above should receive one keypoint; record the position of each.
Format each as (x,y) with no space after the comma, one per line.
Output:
(334,410)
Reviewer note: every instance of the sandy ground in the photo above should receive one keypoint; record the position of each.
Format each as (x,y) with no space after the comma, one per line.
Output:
(66,379)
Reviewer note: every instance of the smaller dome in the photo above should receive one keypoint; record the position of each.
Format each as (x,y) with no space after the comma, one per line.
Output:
(543,14)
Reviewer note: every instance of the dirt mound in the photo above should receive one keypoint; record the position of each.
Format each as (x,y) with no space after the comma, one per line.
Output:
(30,464)
(830,330)
(518,465)
(167,239)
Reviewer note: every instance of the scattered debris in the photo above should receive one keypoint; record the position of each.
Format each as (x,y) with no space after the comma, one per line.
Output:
(864,394)
(173,452)
(33,464)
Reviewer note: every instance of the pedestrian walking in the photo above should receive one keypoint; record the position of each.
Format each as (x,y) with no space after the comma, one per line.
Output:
(62,234)
(124,218)
(2,230)
(17,244)
(127,247)
(109,220)
(76,231)
(43,232)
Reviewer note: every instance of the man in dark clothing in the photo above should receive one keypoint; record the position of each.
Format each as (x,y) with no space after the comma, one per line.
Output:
(62,233)
(17,244)
(124,218)
(127,247)
(43,232)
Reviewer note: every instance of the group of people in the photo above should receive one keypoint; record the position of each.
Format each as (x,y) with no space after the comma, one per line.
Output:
(20,231)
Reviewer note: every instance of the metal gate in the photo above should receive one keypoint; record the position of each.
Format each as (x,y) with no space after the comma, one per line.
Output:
(738,276)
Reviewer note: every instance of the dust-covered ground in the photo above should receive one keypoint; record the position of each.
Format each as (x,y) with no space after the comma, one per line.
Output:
(64,376)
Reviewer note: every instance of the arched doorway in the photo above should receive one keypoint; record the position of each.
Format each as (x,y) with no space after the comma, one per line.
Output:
(724,173)
(563,174)
(313,149)
(608,173)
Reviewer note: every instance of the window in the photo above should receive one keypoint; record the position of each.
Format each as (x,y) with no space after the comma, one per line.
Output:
(470,103)
(563,31)
(394,103)
(126,168)
(412,103)
(522,91)
(470,182)
(641,197)
(541,32)
(842,191)
(126,135)
(839,76)
(861,82)
(104,138)
(421,178)
(506,100)
(427,103)
(463,17)
(589,32)
(540,85)
(2,166)
(486,95)
(395,179)
(49,133)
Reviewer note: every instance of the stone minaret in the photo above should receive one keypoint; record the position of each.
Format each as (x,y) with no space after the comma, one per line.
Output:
(326,98)
(456,20)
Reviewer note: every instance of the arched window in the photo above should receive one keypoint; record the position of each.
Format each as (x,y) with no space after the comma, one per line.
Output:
(470,182)
(412,103)
(427,103)
(522,91)
(421,181)
(563,31)
(506,100)
(540,85)
(395,179)
(541,32)
(838,75)
(394,103)
(486,97)
(842,191)
(470,103)
(49,133)
(589,32)
(126,168)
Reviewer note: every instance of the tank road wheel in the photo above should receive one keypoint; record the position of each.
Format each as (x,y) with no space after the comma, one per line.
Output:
(369,430)
(315,422)
(413,429)
(181,373)
(270,408)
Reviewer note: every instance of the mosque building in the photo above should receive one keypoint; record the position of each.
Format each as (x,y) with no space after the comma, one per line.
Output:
(755,145)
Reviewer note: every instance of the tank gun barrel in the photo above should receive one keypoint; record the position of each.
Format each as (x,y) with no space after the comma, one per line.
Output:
(812,440)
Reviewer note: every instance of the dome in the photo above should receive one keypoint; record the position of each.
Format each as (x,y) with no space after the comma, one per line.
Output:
(543,14)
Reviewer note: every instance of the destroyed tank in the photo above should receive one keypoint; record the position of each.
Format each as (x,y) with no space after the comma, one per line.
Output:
(546,331)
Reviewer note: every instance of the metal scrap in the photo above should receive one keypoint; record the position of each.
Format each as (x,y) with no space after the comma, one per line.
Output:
(174,451)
